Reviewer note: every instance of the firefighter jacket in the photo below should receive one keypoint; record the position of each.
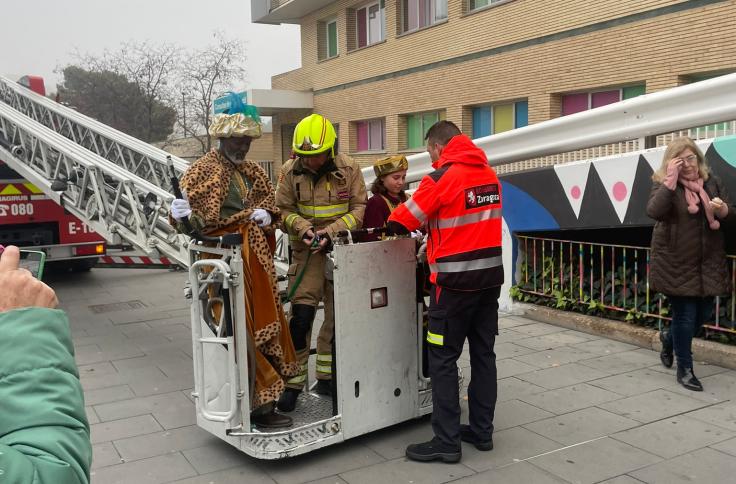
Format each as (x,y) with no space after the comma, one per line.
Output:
(333,199)
(461,204)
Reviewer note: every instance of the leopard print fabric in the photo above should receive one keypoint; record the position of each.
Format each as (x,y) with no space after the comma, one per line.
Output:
(207,182)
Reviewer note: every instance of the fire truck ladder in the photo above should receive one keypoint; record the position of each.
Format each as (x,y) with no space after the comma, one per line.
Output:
(116,184)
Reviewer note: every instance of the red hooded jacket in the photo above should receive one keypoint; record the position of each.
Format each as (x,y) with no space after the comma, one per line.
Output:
(461,204)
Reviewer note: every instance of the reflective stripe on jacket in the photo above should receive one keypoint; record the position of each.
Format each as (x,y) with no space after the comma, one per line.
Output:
(336,201)
(461,204)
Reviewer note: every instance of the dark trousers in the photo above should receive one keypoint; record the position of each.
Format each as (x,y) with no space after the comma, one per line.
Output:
(454,316)
(688,315)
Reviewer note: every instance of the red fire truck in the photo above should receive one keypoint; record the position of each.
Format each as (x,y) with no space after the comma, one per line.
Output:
(30,219)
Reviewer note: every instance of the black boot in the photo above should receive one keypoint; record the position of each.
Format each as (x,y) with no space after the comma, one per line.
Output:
(687,378)
(467,435)
(287,402)
(323,387)
(433,450)
(666,354)
(271,420)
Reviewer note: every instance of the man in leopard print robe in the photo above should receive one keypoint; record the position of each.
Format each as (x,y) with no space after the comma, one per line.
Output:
(226,193)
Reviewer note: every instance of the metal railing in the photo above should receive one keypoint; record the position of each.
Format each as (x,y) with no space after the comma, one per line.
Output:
(603,277)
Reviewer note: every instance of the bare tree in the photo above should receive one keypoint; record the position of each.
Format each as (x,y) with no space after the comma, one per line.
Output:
(206,74)
(150,67)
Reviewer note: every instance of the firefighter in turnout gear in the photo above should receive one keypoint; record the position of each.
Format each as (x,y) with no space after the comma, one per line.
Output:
(319,194)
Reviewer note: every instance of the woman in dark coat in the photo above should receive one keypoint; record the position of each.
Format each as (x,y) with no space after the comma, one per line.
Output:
(688,257)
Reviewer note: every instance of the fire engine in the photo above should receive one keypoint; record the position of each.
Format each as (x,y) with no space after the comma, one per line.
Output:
(30,219)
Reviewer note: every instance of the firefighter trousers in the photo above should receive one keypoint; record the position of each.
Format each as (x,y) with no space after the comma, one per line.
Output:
(313,288)
(453,317)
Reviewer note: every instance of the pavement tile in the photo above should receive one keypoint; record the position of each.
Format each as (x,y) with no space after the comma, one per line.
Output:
(704,466)
(143,405)
(634,382)
(216,456)
(510,350)
(161,384)
(586,464)
(93,381)
(674,436)
(729,447)
(581,426)
(538,329)
(509,446)
(512,322)
(159,443)
(329,480)
(619,362)
(652,406)
(508,336)
(512,367)
(519,473)
(247,474)
(701,369)
(515,412)
(625,479)
(562,376)
(605,347)
(406,471)
(165,357)
(569,399)
(126,427)
(513,388)
(94,353)
(104,454)
(555,357)
(92,417)
(321,463)
(164,468)
(110,394)
(722,415)
(391,443)
(96,369)
(553,340)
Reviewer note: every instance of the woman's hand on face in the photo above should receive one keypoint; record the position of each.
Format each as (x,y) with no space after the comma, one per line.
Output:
(674,166)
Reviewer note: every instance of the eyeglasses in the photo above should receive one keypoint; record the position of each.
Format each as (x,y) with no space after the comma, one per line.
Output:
(691,159)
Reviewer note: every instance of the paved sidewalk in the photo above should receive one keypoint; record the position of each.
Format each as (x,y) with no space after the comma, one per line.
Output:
(572,407)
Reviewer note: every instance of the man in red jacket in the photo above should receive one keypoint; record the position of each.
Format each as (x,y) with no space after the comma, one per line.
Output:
(460,202)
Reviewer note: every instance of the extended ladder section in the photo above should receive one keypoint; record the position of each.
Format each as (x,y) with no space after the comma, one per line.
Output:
(114,183)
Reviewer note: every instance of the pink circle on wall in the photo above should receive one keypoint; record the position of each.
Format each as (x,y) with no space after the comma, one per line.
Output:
(619,191)
(575,192)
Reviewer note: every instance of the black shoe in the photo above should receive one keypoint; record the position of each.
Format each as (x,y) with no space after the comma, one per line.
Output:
(323,387)
(271,420)
(467,435)
(666,354)
(687,378)
(433,450)
(287,402)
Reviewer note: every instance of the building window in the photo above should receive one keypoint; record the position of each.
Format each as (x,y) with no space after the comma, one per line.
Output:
(417,126)
(476,4)
(370,24)
(582,101)
(497,118)
(370,135)
(417,14)
(327,39)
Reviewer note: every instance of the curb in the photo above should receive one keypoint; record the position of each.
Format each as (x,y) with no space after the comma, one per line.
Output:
(703,350)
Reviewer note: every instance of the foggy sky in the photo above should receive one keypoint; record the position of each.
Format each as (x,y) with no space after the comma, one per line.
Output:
(39,35)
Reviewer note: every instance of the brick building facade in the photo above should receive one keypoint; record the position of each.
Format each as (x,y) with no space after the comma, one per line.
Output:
(384,70)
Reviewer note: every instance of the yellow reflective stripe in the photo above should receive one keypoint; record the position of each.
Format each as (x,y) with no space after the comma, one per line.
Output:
(435,339)
(322,211)
(293,237)
(324,369)
(349,221)
(297,379)
(324,358)
(290,219)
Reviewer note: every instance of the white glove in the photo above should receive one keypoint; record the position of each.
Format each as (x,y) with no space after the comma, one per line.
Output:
(422,253)
(262,217)
(417,234)
(180,208)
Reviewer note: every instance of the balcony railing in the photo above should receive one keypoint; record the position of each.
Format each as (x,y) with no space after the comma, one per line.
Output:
(604,279)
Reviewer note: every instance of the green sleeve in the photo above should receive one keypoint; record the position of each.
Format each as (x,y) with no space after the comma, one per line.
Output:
(44,434)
